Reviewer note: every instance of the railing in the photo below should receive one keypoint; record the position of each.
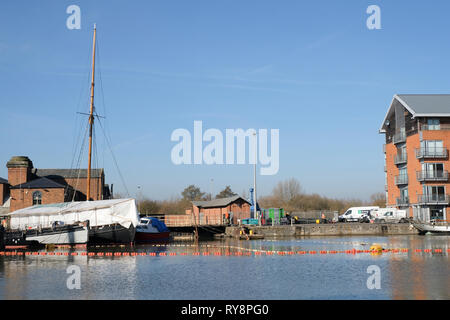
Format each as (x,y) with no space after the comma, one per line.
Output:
(431,153)
(401,179)
(400,158)
(426,127)
(432,176)
(189,220)
(402,201)
(433,199)
(399,137)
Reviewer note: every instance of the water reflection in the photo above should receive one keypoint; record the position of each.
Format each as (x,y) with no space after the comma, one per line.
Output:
(235,269)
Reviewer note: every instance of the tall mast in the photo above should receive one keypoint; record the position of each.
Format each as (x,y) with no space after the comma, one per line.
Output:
(91,121)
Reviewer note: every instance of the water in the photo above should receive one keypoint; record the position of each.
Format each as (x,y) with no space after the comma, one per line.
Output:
(403,275)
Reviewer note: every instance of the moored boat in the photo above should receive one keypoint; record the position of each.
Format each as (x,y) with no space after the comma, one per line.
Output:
(151,229)
(435,227)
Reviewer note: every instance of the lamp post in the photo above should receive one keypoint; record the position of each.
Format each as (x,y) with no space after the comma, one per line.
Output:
(255,207)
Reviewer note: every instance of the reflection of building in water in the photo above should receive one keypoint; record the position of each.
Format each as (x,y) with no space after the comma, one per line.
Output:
(420,276)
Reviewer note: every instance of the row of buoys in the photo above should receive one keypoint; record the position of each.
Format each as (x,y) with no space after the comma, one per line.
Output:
(374,249)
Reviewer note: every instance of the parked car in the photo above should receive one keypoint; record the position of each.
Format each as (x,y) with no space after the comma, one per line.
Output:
(357,214)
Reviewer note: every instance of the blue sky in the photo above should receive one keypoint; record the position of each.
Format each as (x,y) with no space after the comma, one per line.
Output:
(309,68)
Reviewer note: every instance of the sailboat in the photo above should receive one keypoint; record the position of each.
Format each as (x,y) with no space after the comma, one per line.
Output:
(76,222)
(118,231)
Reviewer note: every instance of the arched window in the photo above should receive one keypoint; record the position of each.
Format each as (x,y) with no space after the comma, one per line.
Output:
(37,197)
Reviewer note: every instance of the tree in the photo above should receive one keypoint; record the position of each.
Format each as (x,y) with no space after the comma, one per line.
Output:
(378,199)
(192,193)
(148,206)
(287,190)
(225,193)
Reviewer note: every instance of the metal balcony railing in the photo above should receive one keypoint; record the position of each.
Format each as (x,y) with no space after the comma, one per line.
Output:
(431,153)
(399,137)
(402,201)
(432,176)
(401,179)
(400,158)
(433,199)
(426,127)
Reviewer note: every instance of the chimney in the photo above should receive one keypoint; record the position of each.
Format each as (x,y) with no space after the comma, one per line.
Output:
(19,170)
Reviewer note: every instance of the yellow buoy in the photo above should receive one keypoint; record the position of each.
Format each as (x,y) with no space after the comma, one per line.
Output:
(251,232)
(376,248)
(317,221)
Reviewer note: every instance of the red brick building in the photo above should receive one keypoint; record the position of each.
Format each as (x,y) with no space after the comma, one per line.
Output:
(213,212)
(417,130)
(27,186)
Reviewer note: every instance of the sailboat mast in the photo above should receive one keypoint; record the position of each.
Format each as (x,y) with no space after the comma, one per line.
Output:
(91,120)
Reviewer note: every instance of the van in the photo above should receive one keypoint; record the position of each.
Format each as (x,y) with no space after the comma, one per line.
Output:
(357,214)
(390,215)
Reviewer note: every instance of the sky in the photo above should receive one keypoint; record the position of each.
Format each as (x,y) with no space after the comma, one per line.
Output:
(311,69)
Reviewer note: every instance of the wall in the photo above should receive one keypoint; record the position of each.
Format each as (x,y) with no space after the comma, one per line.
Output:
(22,198)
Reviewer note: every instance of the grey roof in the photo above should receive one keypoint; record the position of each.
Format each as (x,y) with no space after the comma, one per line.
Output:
(67,173)
(426,104)
(3,181)
(217,202)
(41,183)
(421,105)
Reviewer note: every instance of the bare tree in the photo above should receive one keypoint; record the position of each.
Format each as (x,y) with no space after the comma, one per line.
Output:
(287,190)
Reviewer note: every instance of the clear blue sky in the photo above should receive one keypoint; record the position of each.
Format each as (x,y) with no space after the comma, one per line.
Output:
(309,68)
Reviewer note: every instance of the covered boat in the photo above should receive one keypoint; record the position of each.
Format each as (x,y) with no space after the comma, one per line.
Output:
(104,221)
(434,226)
(151,229)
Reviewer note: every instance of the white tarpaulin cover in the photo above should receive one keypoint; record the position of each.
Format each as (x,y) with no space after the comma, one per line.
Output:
(102,212)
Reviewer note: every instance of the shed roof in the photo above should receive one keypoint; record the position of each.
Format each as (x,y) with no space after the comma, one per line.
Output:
(3,181)
(223,202)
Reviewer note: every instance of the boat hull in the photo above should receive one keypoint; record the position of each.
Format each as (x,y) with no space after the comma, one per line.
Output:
(142,237)
(113,233)
(67,236)
(435,229)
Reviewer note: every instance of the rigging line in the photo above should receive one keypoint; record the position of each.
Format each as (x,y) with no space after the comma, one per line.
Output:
(114,158)
(80,156)
(103,101)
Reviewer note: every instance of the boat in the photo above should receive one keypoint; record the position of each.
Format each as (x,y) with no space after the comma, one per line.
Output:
(59,234)
(151,229)
(434,226)
(101,221)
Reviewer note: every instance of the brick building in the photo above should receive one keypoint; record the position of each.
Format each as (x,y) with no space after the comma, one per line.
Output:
(27,186)
(213,212)
(417,133)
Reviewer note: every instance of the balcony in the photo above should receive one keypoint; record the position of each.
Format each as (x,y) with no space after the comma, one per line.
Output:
(431,153)
(432,176)
(400,158)
(426,127)
(401,179)
(402,202)
(399,137)
(433,199)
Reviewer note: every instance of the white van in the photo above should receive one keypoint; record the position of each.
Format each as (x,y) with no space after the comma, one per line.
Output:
(390,215)
(357,213)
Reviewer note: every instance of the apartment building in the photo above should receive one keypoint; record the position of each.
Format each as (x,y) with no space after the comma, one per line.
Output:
(417,132)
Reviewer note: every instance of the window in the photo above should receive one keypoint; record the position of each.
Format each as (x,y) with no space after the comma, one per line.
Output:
(433,124)
(433,170)
(434,192)
(432,147)
(37,197)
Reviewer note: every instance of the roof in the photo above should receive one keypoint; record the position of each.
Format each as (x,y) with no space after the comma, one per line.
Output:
(67,173)
(421,105)
(223,202)
(41,183)
(3,181)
